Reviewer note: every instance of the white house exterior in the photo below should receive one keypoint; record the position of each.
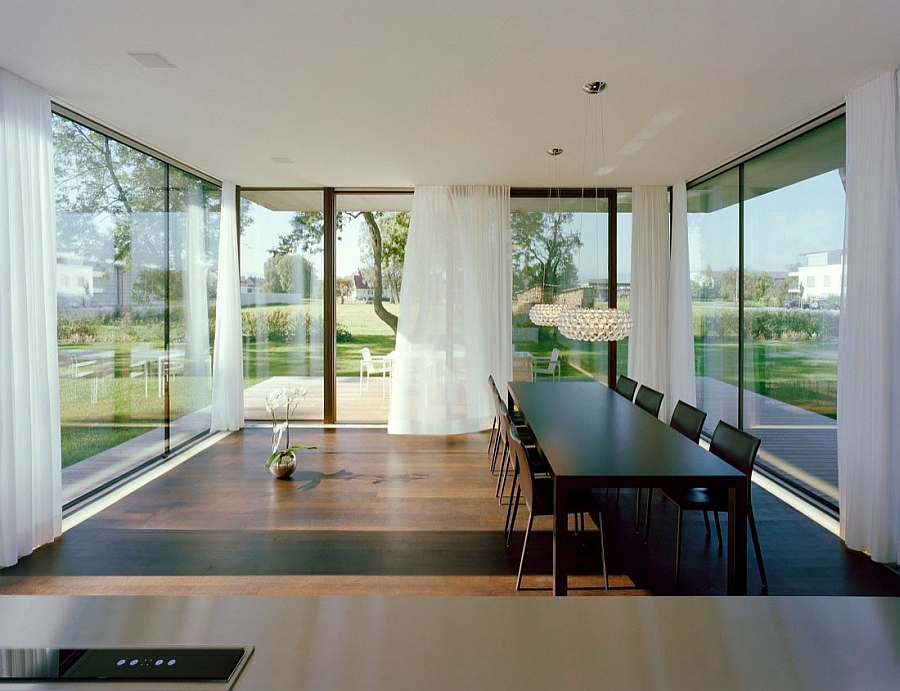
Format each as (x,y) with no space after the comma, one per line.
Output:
(822,275)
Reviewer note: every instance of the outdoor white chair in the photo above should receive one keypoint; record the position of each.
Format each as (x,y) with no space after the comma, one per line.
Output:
(375,364)
(547,365)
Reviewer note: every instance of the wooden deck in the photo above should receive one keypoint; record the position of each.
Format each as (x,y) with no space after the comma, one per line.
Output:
(795,442)
(372,513)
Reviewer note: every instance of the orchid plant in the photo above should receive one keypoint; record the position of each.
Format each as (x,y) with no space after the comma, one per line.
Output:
(288,398)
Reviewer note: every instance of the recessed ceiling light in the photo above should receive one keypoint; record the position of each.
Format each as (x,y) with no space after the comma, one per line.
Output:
(152,60)
(281,159)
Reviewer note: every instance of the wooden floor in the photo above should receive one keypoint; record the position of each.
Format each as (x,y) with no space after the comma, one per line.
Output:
(369,513)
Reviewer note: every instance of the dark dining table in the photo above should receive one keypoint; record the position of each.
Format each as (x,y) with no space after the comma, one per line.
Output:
(593,437)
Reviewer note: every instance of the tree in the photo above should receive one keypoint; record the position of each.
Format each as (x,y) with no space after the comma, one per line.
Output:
(288,273)
(110,199)
(344,288)
(394,233)
(306,235)
(543,250)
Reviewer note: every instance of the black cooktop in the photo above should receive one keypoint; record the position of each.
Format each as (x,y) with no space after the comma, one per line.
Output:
(213,667)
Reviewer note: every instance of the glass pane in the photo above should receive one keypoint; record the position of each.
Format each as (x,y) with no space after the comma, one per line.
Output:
(713,237)
(193,258)
(111,263)
(793,239)
(623,271)
(560,256)
(366,323)
(282,269)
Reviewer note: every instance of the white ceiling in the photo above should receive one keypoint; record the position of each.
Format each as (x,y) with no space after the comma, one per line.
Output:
(396,93)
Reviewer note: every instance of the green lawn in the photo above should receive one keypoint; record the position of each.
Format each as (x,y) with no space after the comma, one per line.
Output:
(798,372)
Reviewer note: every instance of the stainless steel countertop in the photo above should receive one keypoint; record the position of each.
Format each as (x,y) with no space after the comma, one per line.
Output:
(495,643)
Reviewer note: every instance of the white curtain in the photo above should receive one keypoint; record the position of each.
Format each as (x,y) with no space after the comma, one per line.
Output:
(30,461)
(648,345)
(196,301)
(682,382)
(228,364)
(455,311)
(869,346)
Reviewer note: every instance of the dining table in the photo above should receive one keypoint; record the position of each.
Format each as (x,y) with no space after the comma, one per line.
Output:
(592,437)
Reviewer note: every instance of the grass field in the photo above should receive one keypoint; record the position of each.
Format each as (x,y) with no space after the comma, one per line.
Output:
(800,372)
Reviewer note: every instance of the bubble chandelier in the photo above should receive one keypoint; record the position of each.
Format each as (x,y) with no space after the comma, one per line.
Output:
(594,324)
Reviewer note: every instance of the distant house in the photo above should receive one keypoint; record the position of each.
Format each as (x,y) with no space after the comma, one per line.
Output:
(249,285)
(362,292)
(820,274)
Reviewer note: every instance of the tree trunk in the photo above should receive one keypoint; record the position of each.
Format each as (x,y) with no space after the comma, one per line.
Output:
(377,299)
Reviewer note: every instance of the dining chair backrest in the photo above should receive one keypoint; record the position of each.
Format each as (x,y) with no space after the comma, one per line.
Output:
(526,472)
(626,387)
(366,354)
(649,399)
(735,446)
(688,420)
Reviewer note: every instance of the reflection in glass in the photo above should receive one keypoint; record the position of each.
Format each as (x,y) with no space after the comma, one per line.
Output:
(560,255)
(793,271)
(111,230)
(713,238)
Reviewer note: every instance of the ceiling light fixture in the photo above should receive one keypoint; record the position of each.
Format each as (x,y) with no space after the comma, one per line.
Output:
(547,314)
(594,324)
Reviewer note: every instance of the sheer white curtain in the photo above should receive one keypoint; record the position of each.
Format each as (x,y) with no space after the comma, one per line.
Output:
(196,302)
(454,324)
(30,461)
(869,346)
(648,345)
(228,364)
(682,381)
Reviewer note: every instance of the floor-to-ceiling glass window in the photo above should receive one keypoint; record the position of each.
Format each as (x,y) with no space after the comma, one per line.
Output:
(123,237)
(282,311)
(793,272)
(714,241)
(766,239)
(369,253)
(561,255)
(193,258)
(623,271)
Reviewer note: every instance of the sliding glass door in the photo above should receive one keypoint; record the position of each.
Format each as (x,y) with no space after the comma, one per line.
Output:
(282,298)
(136,260)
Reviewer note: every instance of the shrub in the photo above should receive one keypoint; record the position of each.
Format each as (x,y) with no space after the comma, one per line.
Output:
(76,329)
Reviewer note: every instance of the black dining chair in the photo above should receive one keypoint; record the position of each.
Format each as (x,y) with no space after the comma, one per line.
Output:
(625,387)
(649,399)
(687,420)
(739,449)
(538,495)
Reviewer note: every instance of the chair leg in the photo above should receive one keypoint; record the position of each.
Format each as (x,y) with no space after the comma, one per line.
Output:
(756,548)
(647,516)
(509,507)
(603,550)
(512,523)
(718,527)
(637,510)
(678,550)
(706,519)
(496,453)
(524,549)
(491,440)
(504,463)
(505,474)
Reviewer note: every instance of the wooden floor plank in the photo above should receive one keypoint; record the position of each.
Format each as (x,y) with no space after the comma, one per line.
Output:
(371,513)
